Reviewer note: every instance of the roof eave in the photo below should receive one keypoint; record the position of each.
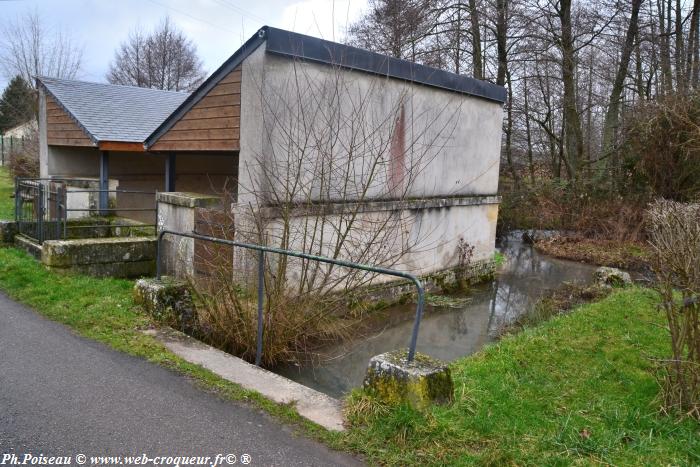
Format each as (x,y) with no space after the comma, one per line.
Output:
(295,45)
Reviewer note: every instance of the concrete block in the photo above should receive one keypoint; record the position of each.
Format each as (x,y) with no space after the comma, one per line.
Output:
(8,230)
(167,300)
(611,277)
(28,245)
(422,382)
(117,269)
(67,253)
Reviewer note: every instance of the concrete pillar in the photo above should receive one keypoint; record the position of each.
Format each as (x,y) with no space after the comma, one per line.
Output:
(170,172)
(104,183)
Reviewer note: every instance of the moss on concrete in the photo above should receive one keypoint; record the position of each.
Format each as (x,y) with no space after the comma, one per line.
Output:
(420,383)
(166,300)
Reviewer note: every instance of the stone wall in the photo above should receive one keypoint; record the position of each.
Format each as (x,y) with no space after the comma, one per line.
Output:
(102,257)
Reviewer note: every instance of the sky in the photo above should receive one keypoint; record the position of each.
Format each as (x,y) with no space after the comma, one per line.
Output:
(217,27)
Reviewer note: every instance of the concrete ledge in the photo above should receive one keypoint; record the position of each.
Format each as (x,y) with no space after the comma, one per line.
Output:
(313,405)
(319,209)
(66,253)
(28,245)
(119,269)
(188,200)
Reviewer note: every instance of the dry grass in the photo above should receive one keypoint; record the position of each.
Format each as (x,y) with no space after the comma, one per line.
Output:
(630,255)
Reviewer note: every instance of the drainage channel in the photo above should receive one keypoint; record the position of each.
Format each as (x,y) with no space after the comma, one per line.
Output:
(448,333)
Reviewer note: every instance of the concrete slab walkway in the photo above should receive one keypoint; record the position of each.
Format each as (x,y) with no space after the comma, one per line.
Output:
(314,405)
(61,394)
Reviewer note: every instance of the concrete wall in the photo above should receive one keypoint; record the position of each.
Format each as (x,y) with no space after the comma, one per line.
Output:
(421,141)
(397,147)
(416,238)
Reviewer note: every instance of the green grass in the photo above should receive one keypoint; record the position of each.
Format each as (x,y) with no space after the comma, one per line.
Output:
(7,204)
(577,389)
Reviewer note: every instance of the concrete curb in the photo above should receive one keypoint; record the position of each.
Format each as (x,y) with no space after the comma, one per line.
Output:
(311,404)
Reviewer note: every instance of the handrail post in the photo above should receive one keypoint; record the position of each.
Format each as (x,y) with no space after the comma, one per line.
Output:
(416,322)
(17,200)
(261,287)
(159,240)
(40,213)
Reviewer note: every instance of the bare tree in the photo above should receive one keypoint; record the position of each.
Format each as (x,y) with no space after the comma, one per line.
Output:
(397,28)
(328,154)
(165,59)
(29,48)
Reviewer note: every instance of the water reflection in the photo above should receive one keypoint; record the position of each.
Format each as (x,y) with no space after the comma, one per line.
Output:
(448,334)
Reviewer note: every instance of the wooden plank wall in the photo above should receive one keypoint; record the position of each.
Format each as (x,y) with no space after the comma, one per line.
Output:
(61,129)
(212,124)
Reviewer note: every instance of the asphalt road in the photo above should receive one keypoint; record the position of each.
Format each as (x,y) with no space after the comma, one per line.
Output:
(61,394)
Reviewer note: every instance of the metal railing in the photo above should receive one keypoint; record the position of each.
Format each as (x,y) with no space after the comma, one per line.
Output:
(297,254)
(42,208)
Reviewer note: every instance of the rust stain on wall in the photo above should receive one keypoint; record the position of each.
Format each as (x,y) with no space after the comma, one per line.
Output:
(397,154)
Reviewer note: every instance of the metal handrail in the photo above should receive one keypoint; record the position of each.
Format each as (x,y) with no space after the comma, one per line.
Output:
(298,254)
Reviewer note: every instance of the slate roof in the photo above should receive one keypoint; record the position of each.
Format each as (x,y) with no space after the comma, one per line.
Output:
(110,112)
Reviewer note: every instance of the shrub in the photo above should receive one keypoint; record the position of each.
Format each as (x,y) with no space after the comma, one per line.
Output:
(662,147)
(587,210)
(675,239)
(24,157)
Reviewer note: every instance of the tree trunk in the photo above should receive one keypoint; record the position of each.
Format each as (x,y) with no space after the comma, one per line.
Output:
(613,112)
(528,132)
(680,55)
(574,137)
(476,41)
(509,133)
(693,50)
(665,46)
(502,40)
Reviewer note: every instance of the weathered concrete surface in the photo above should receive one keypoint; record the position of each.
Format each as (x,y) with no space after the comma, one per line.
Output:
(176,212)
(311,404)
(422,382)
(167,300)
(188,199)
(116,257)
(28,245)
(453,181)
(8,230)
(611,277)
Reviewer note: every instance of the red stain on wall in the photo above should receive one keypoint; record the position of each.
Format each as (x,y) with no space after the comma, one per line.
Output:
(397,154)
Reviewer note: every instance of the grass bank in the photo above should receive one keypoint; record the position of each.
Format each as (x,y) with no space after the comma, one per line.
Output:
(7,204)
(576,389)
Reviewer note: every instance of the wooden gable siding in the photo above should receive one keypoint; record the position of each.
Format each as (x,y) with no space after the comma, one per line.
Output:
(212,124)
(61,129)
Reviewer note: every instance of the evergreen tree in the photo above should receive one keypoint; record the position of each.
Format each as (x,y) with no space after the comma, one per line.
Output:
(17,104)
